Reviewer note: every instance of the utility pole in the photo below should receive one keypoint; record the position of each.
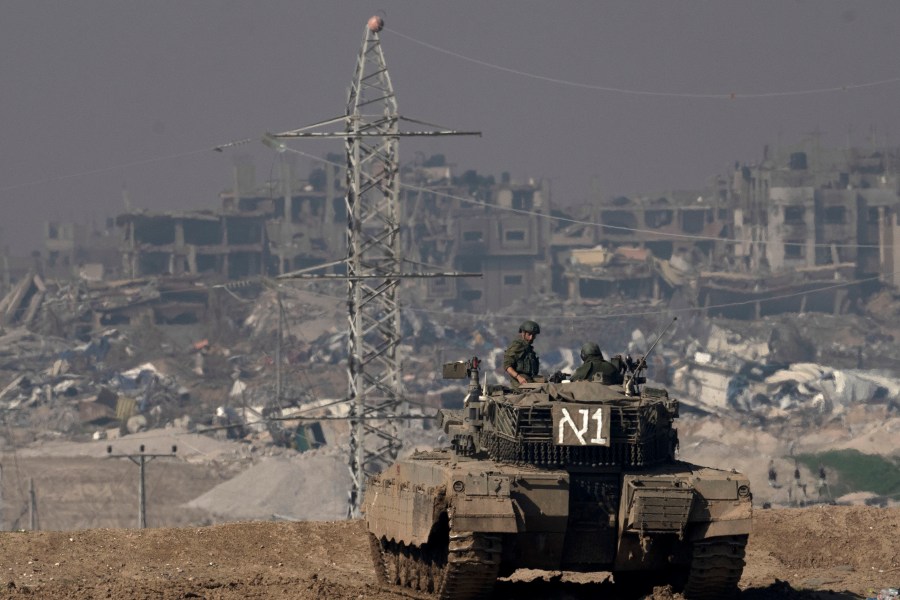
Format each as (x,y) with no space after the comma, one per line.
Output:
(32,506)
(371,141)
(278,343)
(141,459)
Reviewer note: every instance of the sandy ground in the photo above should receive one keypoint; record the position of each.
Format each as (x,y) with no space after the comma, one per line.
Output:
(814,553)
(825,552)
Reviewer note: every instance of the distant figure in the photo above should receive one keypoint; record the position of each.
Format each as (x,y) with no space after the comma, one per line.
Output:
(797,487)
(773,475)
(822,485)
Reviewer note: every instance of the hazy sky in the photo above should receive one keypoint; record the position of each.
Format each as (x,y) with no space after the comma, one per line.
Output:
(98,96)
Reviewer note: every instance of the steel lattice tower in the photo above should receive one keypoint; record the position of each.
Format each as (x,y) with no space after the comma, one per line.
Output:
(373,247)
(371,139)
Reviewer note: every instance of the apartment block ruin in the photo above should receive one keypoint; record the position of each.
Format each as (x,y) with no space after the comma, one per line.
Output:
(278,227)
(503,233)
(805,229)
(809,224)
(637,247)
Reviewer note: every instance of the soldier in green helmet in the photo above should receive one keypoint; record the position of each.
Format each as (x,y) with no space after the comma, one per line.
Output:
(595,367)
(520,361)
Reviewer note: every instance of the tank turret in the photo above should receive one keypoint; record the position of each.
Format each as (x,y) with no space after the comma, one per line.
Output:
(562,422)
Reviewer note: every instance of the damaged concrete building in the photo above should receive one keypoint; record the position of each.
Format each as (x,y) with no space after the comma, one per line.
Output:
(637,247)
(808,225)
(271,229)
(795,232)
(509,248)
(791,234)
(231,245)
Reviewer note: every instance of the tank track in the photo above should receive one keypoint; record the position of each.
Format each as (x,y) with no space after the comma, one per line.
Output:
(465,570)
(716,568)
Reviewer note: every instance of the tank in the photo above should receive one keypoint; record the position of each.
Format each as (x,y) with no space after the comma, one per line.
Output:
(558,475)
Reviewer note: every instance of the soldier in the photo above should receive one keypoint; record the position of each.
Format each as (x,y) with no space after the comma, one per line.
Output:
(595,366)
(796,488)
(520,361)
(773,474)
(822,486)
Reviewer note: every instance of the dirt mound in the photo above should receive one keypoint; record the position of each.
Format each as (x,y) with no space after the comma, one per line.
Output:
(807,554)
(309,487)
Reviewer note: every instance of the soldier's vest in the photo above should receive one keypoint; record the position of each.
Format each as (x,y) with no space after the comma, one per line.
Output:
(528,364)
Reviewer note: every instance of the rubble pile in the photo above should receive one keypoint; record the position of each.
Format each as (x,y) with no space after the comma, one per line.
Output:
(74,386)
(101,353)
(85,360)
(783,367)
(85,357)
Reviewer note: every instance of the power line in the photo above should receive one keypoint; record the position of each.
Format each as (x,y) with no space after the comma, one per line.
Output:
(633,92)
(632,313)
(619,314)
(125,165)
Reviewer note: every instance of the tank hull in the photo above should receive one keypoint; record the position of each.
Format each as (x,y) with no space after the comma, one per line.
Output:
(649,522)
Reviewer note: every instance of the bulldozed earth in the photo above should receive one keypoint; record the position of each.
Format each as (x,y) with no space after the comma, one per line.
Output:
(821,552)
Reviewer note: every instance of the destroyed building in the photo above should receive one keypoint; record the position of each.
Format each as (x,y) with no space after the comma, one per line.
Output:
(805,229)
(806,222)
(75,248)
(637,247)
(791,234)
(230,245)
(504,236)
(257,230)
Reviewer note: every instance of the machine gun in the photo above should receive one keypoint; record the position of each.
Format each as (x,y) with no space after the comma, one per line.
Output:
(634,370)
(462,369)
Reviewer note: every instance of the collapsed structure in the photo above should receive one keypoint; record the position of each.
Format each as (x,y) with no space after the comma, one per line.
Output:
(805,229)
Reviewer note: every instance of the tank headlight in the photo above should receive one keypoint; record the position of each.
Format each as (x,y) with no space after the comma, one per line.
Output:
(744,491)
(459,487)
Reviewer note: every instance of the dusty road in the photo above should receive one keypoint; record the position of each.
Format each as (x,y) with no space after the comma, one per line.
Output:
(814,553)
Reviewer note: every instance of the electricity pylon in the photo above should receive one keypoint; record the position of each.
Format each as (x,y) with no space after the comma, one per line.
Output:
(371,139)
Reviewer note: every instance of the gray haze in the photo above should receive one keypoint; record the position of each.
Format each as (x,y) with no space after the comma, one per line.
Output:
(104,95)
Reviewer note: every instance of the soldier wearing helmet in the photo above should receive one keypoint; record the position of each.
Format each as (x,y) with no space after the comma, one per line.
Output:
(520,361)
(595,367)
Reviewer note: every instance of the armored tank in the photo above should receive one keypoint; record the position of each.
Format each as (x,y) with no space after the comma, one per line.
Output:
(559,475)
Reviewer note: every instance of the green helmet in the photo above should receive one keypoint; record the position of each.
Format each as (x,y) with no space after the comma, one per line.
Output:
(589,349)
(530,327)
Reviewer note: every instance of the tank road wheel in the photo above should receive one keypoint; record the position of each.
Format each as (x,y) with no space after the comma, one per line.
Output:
(463,569)
(716,568)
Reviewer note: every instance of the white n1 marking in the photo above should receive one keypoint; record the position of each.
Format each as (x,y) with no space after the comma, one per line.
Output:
(585,422)
(567,419)
(598,416)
